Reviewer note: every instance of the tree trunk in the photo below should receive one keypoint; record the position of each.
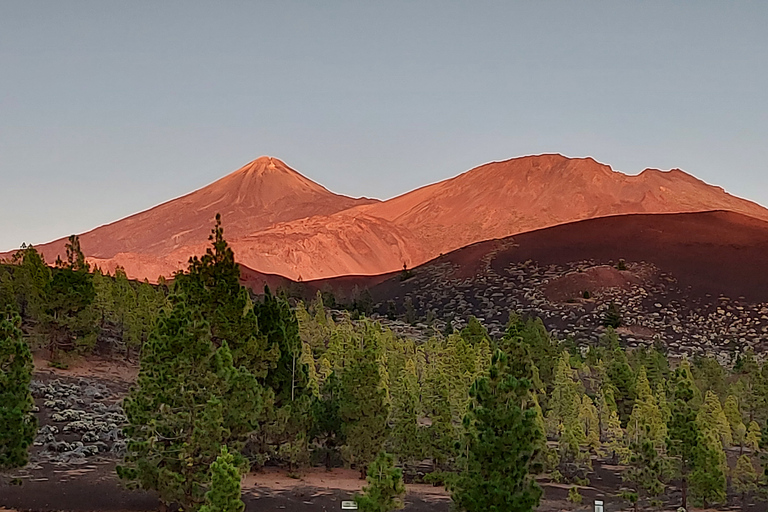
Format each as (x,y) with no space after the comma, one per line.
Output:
(685,493)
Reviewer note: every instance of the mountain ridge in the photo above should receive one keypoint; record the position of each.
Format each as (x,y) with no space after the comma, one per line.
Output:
(280,222)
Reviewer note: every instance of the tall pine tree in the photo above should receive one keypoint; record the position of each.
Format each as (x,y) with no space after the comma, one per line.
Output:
(502,441)
(17,423)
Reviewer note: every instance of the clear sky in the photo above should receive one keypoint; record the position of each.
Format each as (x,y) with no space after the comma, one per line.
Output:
(108,108)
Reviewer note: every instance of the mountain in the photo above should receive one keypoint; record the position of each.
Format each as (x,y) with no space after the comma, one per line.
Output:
(494,200)
(499,199)
(159,240)
(279,222)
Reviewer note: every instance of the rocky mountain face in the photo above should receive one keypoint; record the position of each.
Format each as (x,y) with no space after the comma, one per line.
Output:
(280,222)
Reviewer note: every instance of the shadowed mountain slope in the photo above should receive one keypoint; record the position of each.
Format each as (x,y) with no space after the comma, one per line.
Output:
(712,253)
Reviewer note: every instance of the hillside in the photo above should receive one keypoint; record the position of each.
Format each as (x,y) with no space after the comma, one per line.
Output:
(280,222)
(160,240)
(692,281)
(523,194)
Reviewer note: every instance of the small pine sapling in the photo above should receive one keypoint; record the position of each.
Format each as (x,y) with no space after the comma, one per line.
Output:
(385,489)
(224,492)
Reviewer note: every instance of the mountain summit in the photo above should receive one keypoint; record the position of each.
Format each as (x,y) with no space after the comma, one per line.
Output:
(260,194)
(522,194)
(280,222)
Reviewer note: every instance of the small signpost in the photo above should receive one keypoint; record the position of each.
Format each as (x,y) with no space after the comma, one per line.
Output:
(598,506)
(348,505)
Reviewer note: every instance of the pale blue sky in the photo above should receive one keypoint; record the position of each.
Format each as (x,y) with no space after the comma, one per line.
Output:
(108,108)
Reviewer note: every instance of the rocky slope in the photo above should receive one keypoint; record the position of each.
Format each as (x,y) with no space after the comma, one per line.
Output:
(279,222)
(673,285)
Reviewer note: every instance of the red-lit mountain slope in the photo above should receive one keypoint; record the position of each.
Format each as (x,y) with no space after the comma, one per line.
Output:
(523,194)
(279,222)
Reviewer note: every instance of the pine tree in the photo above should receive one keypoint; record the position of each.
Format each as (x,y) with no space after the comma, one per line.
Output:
(17,424)
(683,431)
(189,400)
(708,479)
(326,425)
(752,439)
(612,316)
(744,478)
(288,419)
(591,424)
(406,436)
(563,417)
(364,407)
(441,435)
(502,440)
(143,316)
(30,278)
(645,472)
(735,419)
(211,286)
(622,379)
(616,440)
(474,332)
(69,320)
(385,489)
(646,421)
(712,420)
(224,494)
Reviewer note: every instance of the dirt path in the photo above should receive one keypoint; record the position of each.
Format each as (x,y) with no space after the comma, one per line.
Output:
(96,488)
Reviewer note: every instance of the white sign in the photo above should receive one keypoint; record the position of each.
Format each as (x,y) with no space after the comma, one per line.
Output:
(348,505)
(598,506)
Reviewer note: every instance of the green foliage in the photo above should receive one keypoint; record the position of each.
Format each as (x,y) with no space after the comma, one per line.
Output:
(753,436)
(565,405)
(683,433)
(708,479)
(709,375)
(212,287)
(574,496)
(744,476)
(28,280)
(645,471)
(69,321)
(502,439)
(224,492)
(364,407)
(288,416)
(17,424)
(647,421)
(713,421)
(279,324)
(735,419)
(529,342)
(385,489)
(190,399)
(475,332)
(407,436)
(622,380)
(327,425)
